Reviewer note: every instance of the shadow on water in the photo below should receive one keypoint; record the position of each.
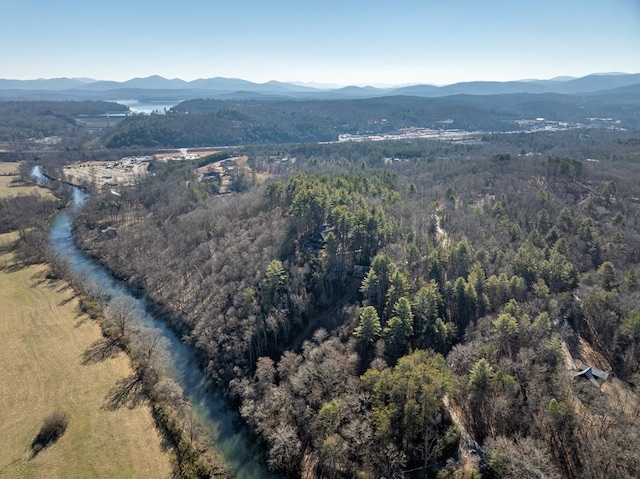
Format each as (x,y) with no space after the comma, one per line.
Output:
(233,441)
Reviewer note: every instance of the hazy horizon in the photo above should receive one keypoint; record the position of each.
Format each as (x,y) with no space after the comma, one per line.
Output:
(319,85)
(337,43)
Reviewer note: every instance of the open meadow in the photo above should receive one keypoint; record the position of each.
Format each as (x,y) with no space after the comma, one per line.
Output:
(8,172)
(44,342)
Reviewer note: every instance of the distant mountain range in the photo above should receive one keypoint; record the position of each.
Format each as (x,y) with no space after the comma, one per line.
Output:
(159,88)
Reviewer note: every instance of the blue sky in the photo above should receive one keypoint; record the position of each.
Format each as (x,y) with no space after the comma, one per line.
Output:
(339,42)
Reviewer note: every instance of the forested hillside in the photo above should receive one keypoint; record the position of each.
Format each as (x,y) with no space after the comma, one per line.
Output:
(207,122)
(380,308)
(23,120)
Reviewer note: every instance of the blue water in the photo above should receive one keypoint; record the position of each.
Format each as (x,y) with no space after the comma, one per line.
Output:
(210,406)
(148,107)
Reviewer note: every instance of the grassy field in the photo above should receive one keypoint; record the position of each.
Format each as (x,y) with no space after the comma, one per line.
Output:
(43,341)
(6,190)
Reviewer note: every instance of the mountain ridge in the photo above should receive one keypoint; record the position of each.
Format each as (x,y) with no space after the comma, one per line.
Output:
(221,86)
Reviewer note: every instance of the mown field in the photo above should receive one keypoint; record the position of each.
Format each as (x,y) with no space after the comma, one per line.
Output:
(7,169)
(43,341)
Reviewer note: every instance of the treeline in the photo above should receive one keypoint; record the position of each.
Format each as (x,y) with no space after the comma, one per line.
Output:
(178,130)
(219,122)
(150,381)
(207,122)
(28,215)
(327,301)
(24,120)
(23,212)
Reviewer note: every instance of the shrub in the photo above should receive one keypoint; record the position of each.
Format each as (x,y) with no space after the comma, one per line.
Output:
(91,307)
(54,426)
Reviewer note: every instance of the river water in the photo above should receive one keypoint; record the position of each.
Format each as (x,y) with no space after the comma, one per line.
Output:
(223,423)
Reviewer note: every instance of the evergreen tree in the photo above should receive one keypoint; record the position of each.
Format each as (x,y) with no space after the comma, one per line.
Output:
(369,329)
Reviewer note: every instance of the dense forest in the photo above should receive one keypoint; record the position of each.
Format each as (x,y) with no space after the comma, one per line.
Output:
(270,120)
(34,120)
(381,309)
(29,216)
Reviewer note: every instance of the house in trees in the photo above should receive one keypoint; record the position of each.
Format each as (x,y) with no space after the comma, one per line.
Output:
(591,373)
(316,240)
(210,172)
(324,231)
(109,231)
(360,271)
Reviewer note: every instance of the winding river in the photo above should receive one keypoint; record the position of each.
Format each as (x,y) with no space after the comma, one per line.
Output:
(233,441)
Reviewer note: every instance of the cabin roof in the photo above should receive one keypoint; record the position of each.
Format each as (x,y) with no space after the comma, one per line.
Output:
(591,373)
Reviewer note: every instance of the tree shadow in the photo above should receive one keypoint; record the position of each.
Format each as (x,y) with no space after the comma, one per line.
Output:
(54,426)
(571,339)
(101,350)
(39,279)
(66,300)
(81,317)
(14,267)
(127,392)
(7,247)
(62,288)
(167,442)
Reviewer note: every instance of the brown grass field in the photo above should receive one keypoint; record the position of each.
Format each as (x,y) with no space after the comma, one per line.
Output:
(43,341)
(6,190)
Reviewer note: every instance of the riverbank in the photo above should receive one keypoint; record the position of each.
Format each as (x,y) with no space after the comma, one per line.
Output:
(10,184)
(178,416)
(44,343)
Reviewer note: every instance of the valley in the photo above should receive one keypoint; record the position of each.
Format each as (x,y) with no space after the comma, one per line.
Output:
(45,340)
(382,287)
(320,240)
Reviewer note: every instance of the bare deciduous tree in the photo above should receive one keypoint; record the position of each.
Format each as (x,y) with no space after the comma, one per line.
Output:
(121,312)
